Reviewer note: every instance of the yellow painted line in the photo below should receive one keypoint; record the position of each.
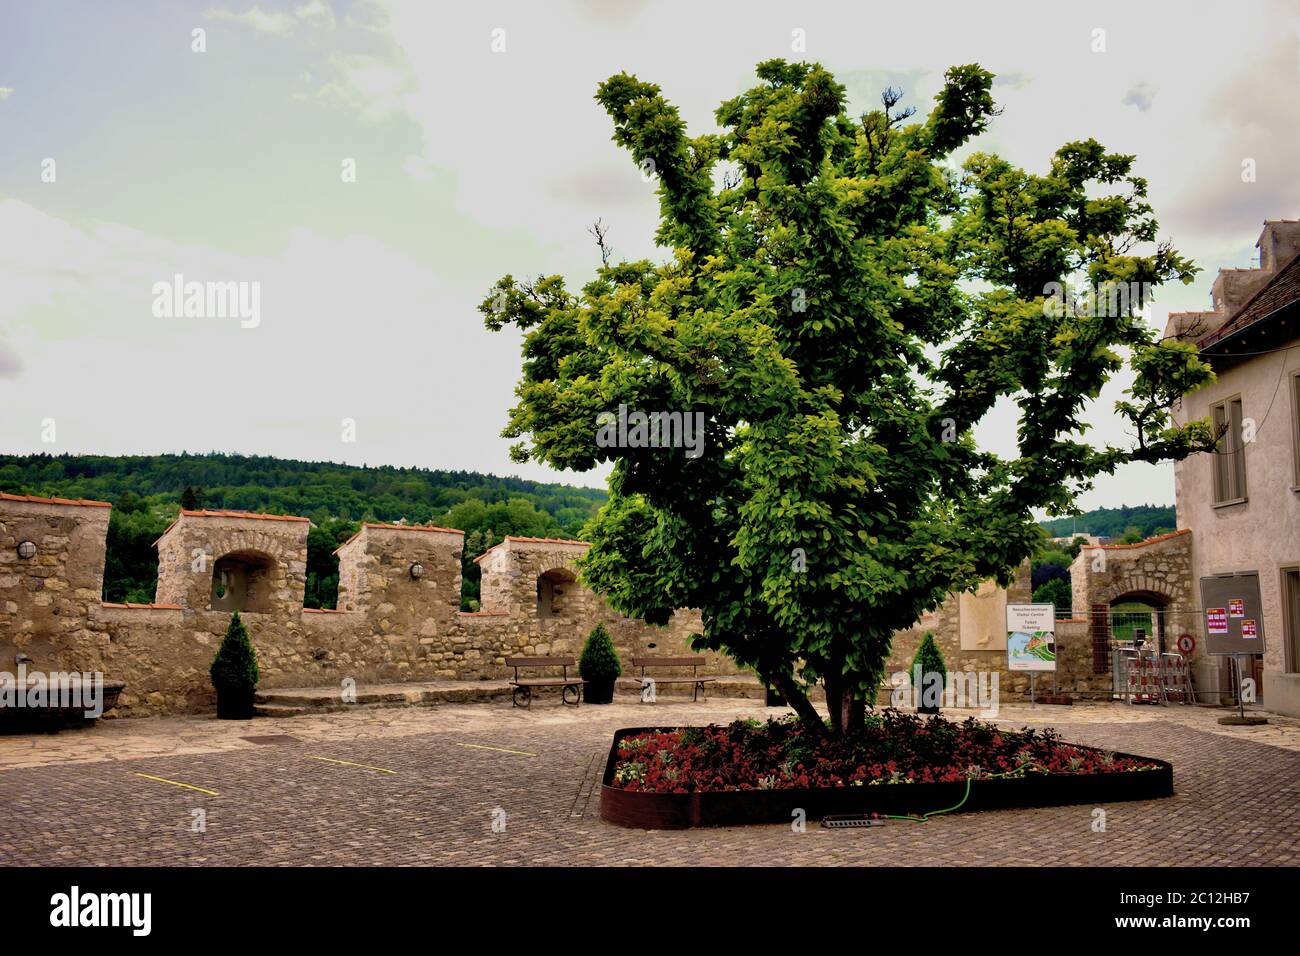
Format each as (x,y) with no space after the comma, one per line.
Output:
(500,750)
(349,763)
(176,783)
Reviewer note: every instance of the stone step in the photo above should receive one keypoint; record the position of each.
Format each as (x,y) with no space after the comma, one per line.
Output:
(296,701)
(293,701)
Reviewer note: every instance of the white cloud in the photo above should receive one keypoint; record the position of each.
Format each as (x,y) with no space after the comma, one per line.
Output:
(280,23)
(350,328)
(275,23)
(371,85)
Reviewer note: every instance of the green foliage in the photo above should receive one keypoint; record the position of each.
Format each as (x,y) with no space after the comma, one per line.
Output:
(1150,520)
(191,498)
(323,539)
(146,491)
(131,564)
(599,660)
(928,657)
(842,311)
(1056,591)
(235,666)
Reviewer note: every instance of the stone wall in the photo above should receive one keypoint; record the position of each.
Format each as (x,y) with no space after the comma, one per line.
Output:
(1157,572)
(391,626)
(1074,674)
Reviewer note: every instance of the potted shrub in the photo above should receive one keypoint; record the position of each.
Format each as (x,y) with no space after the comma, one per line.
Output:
(929,659)
(234,673)
(599,667)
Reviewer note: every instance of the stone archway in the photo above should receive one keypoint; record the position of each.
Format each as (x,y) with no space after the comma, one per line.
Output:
(1157,571)
(243,581)
(553,587)
(1137,626)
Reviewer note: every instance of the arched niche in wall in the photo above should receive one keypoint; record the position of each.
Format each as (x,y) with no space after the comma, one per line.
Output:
(241,581)
(553,587)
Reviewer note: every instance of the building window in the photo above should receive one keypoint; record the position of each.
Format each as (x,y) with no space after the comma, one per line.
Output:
(1291,617)
(1295,423)
(1230,455)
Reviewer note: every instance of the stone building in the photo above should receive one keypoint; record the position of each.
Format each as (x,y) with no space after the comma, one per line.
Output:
(1242,503)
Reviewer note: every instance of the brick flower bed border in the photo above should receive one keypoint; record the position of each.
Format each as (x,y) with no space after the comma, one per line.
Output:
(680,811)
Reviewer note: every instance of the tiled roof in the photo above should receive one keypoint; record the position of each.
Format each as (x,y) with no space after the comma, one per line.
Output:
(1280,291)
(149,607)
(512,537)
(78,502)
(227,514)
(240,514)
(412,527)
(1143,544)
(397,527)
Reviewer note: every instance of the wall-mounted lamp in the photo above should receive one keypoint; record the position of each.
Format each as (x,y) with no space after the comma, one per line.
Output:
(26,550)
(417,571)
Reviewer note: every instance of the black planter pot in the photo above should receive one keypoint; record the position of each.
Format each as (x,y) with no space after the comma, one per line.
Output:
(599,691)
(234,704)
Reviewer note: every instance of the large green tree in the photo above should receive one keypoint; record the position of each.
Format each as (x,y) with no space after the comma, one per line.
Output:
(842,302)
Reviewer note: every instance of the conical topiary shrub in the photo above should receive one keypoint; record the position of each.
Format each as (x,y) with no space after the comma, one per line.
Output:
(928,690)
(599,666)
(234,673)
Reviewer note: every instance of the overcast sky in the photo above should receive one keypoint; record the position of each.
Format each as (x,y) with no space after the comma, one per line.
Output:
(472,162)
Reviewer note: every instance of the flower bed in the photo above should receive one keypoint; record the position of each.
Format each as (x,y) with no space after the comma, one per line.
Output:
(750,772)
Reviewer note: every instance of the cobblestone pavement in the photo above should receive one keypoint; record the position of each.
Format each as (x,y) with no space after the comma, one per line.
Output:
(421,786)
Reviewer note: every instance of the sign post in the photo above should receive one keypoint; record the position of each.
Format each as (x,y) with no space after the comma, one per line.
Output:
(1031,641)
(1234,628)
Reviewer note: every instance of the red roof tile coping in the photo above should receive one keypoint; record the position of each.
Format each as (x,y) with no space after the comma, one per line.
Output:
(226,514)
(76,502)
(397,527)
(241,514)
(511,537)
(1142,544)
(145,607)
(412,527)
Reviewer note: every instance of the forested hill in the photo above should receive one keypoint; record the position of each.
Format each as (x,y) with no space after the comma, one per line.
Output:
(281,486)
(1146,520)
(148,490)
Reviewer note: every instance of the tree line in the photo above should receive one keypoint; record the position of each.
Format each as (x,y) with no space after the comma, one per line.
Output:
(147,492)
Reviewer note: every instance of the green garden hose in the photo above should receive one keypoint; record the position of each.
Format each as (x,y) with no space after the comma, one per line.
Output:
(926,816)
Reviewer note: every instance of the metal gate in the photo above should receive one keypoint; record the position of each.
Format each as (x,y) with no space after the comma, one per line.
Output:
(1140,649)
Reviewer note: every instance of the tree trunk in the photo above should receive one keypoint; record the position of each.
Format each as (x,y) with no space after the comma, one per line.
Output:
(797,699)
(834,685)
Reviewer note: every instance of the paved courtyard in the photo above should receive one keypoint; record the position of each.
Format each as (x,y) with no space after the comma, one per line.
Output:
(423,786)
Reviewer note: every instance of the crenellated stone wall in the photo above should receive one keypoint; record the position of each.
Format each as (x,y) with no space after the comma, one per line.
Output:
(393,624)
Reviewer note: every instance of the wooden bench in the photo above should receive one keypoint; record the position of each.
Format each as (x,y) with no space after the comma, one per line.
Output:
(692,662)
(523,686)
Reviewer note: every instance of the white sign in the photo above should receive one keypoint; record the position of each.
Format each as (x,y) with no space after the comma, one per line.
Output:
(1031,637)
